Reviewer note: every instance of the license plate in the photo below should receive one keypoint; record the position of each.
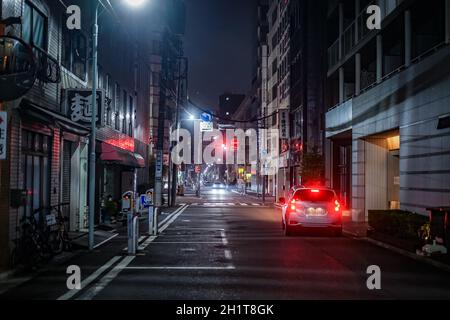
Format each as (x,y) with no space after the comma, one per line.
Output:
(316,212)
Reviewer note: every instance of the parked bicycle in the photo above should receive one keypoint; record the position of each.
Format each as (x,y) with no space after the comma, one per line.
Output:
(42,236)
(59,239)
(31,248)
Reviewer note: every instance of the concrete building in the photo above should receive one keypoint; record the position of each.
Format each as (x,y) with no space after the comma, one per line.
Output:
(262,77)
(273,100)
(307,89)
(387,91)
(295,87)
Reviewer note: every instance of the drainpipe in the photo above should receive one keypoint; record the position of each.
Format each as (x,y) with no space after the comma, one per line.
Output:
(379,58)
(341,29)
(357,74)
(408,37)
(357,11)
(447,21)
(341,85)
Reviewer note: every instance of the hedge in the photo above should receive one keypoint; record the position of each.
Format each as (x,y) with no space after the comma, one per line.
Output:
(397,223)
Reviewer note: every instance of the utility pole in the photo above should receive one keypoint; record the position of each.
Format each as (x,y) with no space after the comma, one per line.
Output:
(173,192)
(161,124)
(92,158)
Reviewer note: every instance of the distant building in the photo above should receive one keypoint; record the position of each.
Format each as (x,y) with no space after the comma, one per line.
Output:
(295,88)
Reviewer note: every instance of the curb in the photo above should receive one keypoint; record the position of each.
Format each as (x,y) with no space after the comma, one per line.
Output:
(431,262)
(6,275)
(11,274)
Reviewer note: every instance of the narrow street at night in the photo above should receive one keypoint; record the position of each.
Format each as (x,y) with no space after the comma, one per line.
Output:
(231,247)
(225,158)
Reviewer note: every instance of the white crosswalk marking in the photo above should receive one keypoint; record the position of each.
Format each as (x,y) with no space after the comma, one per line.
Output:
(226,204)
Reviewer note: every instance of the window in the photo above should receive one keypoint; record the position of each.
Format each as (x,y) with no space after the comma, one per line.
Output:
(274,15)
(131,116)
(34,27)
(274,120)
(274,92)
(74,52)
(125,114)
(36,169)
(155,79)
(311,195)
(117,106)
(100,78)
(274,66)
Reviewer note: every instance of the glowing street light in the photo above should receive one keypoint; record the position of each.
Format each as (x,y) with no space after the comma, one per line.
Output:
(135,3)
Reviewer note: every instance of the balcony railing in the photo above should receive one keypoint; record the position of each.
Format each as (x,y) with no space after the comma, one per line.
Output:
(333,54)
(350,38)
(49,70)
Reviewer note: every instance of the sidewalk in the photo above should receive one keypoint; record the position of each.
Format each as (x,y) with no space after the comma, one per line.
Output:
(103,240)
(255,195)
(359,230)
(355,229)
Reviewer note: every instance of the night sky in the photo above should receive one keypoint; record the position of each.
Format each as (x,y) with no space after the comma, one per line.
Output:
(219,44)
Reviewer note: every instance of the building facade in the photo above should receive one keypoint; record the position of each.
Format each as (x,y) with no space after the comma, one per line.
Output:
(49,127)
(387,93)
(295,88)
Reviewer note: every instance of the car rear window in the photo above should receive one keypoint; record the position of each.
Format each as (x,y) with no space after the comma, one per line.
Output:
(312,195)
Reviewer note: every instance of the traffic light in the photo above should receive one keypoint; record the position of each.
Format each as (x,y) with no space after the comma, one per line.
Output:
(235,144)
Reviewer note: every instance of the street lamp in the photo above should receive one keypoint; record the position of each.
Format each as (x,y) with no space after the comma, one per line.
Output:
(135,3)
(92,158)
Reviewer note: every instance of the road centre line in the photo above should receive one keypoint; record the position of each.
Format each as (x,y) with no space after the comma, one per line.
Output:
(159,225)
(187,242)
(181,268)
(112,274)
(172,214)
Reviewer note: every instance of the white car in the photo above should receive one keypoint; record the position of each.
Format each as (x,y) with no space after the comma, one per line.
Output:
(311,208)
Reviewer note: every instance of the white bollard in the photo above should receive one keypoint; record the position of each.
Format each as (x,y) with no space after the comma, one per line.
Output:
(136,233)
(155,221)
(150,220)
(131,233)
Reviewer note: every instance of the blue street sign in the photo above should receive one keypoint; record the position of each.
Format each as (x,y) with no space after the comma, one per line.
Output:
(206,117)
(146,200)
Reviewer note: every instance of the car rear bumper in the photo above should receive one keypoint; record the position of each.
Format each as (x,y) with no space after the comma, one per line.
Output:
(315,226)
(328,223)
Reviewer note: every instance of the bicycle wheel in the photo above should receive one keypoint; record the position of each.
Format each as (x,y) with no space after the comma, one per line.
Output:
(56,243)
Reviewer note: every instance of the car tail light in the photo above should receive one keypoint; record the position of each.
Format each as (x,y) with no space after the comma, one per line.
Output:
(293,207)
(337,206)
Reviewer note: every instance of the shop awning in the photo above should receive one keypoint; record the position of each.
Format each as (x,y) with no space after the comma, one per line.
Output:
(32,110)
(112,154)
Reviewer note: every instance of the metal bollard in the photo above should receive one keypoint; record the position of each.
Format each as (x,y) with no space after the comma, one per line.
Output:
(131,234)
(155,221)
(150,220)
(136,232)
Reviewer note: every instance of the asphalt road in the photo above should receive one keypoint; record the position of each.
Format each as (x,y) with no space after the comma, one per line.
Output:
(228,246)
